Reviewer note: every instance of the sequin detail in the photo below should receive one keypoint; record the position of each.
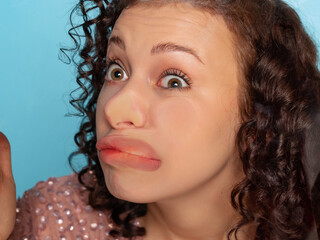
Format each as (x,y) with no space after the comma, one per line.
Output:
(49,206)
(93,226)
(38,211)
(60,210)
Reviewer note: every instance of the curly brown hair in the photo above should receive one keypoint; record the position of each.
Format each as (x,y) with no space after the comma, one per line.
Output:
(280,97)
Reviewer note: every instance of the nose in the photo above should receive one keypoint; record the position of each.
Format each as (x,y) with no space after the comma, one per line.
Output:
(127,108)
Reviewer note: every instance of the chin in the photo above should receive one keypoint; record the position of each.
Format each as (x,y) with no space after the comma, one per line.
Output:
(128,187)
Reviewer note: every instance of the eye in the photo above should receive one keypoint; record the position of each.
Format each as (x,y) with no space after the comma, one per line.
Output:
(173,82)
(115,72)
(174,79)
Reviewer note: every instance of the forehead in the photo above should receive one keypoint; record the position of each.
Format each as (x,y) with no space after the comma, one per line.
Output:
(172,22)
(172,11)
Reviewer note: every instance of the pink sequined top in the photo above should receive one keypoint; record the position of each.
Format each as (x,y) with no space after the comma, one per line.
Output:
(58,209)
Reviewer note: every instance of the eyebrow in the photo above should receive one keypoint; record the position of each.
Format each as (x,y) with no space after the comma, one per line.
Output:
(159,48)
(172,47)
(117,41)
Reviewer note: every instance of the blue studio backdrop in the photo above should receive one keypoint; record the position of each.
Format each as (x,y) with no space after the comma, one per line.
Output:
(35,84)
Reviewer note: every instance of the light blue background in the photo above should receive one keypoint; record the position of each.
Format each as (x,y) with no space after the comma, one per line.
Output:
(34,84)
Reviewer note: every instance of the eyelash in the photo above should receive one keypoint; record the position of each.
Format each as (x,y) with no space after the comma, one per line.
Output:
(168,72)
(111,61)
(177,73)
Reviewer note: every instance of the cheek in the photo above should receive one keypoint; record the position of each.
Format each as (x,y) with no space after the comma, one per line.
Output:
(175,116)
(193,128)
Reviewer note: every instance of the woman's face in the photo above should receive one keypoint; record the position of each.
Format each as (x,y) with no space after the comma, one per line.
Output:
(172,82)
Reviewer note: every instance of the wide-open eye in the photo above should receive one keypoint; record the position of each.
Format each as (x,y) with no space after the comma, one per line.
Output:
(116,73)
(172,81)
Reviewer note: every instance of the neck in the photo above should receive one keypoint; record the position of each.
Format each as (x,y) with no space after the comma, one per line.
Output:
(204,213)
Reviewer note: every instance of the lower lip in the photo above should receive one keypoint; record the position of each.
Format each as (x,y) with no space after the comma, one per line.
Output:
(122,159)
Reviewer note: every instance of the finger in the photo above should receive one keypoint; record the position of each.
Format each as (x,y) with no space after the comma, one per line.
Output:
(5,156)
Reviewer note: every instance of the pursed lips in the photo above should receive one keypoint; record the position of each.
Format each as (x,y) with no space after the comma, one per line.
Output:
(127,145)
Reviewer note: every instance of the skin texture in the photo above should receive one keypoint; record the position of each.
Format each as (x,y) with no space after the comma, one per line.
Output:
(193,130)
(7,190)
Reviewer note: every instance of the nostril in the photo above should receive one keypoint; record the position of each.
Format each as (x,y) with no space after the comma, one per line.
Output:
(125,124)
